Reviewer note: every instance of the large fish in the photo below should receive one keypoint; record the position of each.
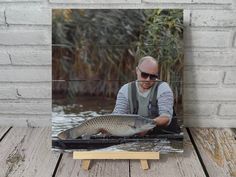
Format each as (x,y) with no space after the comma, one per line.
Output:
(113,124)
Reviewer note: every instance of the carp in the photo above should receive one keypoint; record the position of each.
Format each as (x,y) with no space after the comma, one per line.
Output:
(112,124)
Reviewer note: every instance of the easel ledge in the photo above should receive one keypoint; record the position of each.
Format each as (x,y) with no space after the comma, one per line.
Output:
(87,156)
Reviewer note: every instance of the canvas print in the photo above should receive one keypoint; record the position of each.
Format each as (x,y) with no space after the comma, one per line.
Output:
(117,79)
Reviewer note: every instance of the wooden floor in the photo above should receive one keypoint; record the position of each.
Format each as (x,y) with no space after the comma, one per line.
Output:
(25,152)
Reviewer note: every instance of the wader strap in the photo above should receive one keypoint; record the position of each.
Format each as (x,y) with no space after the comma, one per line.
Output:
(153,105)
(154,101)
(134,97)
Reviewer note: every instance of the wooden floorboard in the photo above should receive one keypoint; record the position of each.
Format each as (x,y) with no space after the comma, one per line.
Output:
(169,165)
(218,150)
(27,152)
(99,168)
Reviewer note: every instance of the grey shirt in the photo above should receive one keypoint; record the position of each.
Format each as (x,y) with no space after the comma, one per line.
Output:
(164,97)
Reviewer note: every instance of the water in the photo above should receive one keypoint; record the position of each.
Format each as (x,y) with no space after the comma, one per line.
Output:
(62,121)
(68,116)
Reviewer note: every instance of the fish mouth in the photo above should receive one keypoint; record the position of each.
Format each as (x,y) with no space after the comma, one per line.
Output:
(152,124)
(149,126)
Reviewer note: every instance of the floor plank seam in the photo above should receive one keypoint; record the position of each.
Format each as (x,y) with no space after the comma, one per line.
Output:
(3,136)
(57,165)
(129,168)
(198,153)
(234,130)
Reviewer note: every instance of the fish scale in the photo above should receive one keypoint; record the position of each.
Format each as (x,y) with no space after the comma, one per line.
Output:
(113,124)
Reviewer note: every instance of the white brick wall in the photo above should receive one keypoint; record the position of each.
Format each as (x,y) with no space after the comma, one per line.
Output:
(227,109)
(2,18)
(214,18)
(24,37)
(210,58)
(213,94)
(213,1)
(30,57)
(30,15)
(4,58)
(209,77)
(215,58)
(205,38)
(22,107)
(96,1)
(230,77)
(25,74)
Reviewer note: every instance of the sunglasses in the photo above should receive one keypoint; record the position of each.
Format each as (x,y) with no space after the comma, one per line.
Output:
(144,75)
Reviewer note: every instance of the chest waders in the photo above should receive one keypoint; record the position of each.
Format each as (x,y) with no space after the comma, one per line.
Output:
(153,109)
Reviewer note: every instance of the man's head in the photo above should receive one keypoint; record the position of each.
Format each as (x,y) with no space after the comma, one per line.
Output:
(146,71)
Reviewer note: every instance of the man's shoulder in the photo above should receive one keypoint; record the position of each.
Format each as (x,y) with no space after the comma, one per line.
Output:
(163,84)
(164,87)
(124,88)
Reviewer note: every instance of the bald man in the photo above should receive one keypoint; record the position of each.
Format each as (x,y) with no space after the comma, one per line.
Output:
(147,96)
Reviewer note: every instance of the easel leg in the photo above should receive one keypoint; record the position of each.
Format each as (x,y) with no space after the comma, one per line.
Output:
(144,164)
(142,156)
(85,164)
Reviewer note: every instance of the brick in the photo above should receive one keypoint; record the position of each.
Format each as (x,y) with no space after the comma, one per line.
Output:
(230,77)
(190,1)
(203,109)
(35,91)
(30,57)
(8,92)
(4,58)
(210,58)
(213,1)
(219,39)
(28,15)
(228,109)
(95,1)
(167,1)
(25,74)
(42,107)
(202,77)
(209,94)
(2,17)
(201,121)
(222,18)
(25,37)
(19,1)
(25,90)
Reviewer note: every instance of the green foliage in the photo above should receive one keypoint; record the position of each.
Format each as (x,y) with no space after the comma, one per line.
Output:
(162,38)
(105,45)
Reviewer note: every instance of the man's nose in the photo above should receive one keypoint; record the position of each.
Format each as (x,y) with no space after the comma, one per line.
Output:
(148,78)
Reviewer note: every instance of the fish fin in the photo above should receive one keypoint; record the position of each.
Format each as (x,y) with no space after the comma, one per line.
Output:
(104,132)
(132,126)
(85,137)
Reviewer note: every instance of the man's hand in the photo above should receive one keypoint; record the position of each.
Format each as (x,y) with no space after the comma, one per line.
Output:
(162,121)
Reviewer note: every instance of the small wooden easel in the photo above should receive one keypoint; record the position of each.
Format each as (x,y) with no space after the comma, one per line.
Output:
(87,156)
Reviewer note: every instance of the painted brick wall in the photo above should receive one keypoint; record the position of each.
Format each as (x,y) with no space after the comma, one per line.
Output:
(210,58)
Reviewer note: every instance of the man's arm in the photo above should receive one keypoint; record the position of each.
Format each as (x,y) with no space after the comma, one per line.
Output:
(165,104)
